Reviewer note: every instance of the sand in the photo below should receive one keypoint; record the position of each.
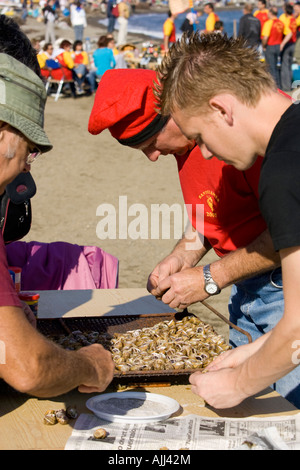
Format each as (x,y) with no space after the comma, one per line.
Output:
(83,173)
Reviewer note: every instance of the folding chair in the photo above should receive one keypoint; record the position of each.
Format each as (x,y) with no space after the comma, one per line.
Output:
(60,77)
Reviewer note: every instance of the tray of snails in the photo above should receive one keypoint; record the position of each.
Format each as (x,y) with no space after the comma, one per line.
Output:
(143,347)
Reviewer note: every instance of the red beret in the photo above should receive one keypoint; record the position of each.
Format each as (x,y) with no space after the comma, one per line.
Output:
(125,104)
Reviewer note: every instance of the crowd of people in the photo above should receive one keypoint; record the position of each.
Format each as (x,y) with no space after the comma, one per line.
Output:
(71,62)
(274,35)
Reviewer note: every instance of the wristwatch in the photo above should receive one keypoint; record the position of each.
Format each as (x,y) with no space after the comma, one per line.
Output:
(210,286)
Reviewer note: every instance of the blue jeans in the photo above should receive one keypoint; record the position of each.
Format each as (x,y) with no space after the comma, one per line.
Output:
(286,67)
(256,305)
(78,31)
(272,54)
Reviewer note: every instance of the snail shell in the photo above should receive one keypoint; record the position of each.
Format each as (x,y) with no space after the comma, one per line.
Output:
(61,417)
(100,433)
(50,417)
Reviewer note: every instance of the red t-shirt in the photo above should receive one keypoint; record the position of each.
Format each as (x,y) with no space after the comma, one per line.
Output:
(8,294)
(273,29)
(232,218)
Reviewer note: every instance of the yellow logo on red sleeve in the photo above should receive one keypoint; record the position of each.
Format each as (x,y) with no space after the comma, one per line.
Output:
(210,201)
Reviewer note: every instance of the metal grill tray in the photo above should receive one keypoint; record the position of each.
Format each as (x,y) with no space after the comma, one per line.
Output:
(119,324)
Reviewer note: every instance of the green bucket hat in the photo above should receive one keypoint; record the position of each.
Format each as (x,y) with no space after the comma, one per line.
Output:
(22,101)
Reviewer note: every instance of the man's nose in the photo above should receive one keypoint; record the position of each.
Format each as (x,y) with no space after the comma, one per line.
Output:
(152,155)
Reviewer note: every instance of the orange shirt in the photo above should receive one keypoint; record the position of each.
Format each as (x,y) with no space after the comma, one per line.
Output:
(169,30)
(273,30)
(262,15)
(210,22)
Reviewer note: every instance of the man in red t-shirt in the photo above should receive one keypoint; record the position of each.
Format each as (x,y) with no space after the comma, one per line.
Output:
(272,37)
(169,31)
(261,13)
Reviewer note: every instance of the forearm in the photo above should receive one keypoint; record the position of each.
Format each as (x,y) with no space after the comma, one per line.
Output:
(286,39)
(166,43)
(244,263)
(273,360)
(37,366)
(277,355)
(191,248)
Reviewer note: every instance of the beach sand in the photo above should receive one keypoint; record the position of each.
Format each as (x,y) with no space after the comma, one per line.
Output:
(83,172)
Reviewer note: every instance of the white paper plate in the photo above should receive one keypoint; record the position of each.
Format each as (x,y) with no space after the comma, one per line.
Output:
(133,407)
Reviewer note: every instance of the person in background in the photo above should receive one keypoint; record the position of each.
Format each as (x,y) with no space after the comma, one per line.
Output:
(49,20)
(272,37)
(36,44)
(219,27)
(103,56)
(211,18)
(78,20)
(111,5)
(82,67)
(43,56)
(124,13)
(287,46)
(190,22)
(33,364)
(250,27)
(261,13)
(297,17)
(66,70)
(169,31)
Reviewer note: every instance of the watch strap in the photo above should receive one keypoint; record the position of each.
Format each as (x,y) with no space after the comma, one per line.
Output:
(208,277)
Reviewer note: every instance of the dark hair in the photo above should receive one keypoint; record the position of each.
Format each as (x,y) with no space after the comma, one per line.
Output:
(103,41)
(288,8)
(274,11)
(210,5)
(219,25)
(65,43)
(15,43)
(47,44)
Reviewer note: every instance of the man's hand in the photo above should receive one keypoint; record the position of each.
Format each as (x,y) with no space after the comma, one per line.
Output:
(102,362)
(170,265)
(218,388)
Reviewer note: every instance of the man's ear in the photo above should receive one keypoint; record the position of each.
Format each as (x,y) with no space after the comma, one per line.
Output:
(3,126)
(222,104)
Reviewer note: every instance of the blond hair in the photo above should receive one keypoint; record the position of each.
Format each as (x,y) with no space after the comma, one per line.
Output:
(200,66)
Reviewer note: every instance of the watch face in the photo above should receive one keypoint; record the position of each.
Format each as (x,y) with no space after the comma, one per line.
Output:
(211,288)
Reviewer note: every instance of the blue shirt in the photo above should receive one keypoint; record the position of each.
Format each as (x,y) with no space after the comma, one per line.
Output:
(104,60)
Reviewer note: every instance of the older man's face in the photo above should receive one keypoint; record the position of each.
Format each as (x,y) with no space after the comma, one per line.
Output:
(169,140)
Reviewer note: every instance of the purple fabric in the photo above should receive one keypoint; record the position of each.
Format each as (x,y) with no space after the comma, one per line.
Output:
(63,266)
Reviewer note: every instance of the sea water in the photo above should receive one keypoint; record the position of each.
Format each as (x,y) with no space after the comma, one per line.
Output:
(151,24)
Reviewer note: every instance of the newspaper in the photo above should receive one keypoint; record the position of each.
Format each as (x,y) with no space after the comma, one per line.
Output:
(190,432)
